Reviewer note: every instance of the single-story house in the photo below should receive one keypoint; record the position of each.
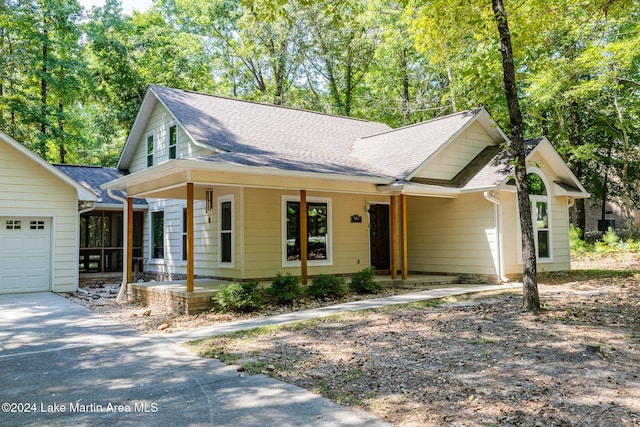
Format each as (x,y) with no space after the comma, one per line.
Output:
(40,210)
(241,190)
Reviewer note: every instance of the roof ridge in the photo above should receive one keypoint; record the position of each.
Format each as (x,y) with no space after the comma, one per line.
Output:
(264,104)
(82,166)
(435,119)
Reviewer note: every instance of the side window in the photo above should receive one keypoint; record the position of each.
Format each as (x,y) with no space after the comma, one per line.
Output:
(150,150)
(173,142)
(540,213)
(157,235)
(184,234)
(225,230)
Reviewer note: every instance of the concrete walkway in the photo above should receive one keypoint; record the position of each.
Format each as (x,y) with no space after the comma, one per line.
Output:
(281,319)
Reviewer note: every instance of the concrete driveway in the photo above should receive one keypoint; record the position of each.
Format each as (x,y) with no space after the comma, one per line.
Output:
(62,364)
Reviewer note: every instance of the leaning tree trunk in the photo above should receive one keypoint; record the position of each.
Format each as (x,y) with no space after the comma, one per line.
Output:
(531,299)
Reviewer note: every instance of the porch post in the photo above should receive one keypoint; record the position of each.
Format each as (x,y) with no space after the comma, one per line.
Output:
(129,255)
(394,260)
(403,208)
(303,236)
(189,236)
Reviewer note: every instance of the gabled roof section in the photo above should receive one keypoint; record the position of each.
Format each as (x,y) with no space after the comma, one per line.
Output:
(568,184)
(251,130)
(83,194)
(92,177)
(403,152)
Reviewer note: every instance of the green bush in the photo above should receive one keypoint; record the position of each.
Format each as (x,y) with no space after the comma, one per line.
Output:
(285,288)
(239,297)
(609,243)
(577,245)
(363,283)
(326,285)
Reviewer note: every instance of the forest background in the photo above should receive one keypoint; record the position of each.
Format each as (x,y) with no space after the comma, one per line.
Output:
(72,80)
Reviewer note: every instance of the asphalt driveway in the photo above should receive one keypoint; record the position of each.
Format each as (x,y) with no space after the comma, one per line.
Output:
(62,364)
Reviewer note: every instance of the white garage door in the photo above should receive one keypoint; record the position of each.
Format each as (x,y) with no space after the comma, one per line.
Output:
(25,254)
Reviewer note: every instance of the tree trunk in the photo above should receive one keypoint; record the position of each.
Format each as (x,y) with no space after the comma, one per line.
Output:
(531,299)
(454,107)
(574,137)
(605,190)
(626,161)
(63,150)
(406,86)
(42,146)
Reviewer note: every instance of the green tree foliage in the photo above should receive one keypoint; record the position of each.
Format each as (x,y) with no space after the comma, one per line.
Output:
(41,74)
(396,61)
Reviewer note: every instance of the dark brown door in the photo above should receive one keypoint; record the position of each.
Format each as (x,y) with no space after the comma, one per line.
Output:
(379,236)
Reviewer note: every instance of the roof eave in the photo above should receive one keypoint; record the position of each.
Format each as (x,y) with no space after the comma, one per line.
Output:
(185,165)
(413,189)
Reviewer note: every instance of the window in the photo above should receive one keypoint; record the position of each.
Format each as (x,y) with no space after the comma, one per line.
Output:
(14,224)
(157,235)
(150,150)
(540,214)
(318,231)
(184,234)
(173,142)
(225,230)
(36,225)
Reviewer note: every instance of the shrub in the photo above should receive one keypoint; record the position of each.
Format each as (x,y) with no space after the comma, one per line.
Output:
(239,297)
(285,288)
(577,245)
(363,283)
(609,243)
(326,285)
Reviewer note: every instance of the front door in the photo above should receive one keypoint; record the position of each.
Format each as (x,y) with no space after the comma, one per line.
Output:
(379,237)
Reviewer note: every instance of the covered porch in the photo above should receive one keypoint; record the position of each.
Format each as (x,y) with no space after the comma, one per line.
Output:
(191,181)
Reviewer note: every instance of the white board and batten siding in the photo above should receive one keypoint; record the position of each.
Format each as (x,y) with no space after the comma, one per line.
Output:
(38,227)
(454,157)
(158,126)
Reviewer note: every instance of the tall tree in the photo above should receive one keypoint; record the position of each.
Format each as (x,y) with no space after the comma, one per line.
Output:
(42,42)
(474,32)
(531,299)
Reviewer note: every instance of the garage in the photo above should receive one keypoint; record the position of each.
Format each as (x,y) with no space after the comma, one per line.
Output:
(25,254)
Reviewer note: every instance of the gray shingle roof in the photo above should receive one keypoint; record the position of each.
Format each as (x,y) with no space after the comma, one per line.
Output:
(401,151)
(262,135)
(91,177)
(268,135)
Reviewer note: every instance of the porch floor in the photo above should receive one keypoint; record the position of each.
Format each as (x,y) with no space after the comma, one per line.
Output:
(173,294)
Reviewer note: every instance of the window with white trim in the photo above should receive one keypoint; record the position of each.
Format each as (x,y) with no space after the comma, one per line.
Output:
(157,235)
(172,142)
(541,215)
(150,149)
(184,234)
(318,231)
(226,226)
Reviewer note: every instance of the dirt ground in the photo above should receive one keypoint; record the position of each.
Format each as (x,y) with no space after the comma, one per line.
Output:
(476,361)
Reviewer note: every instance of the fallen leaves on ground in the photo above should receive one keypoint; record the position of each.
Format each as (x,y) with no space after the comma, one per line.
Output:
(473,361)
